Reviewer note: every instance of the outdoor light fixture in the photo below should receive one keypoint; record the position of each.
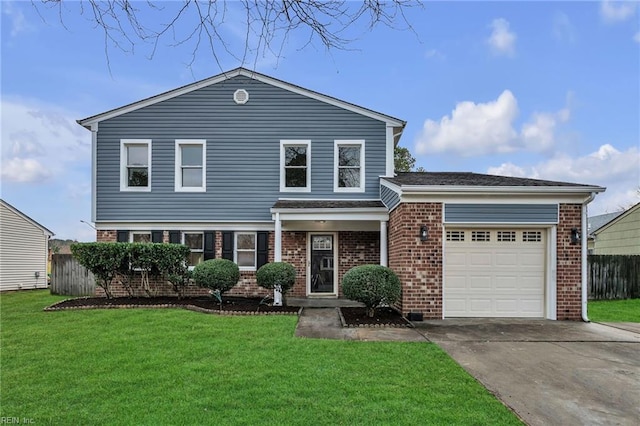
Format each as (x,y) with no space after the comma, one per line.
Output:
(575,236)
(424,234)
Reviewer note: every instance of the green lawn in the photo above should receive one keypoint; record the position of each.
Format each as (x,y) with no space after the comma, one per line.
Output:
(627,310)
(169,366)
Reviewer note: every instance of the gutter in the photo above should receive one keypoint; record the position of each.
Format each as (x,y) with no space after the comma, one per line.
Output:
(584,241)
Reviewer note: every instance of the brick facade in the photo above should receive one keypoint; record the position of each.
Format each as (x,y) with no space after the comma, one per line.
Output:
(417,263)
(354,248)
(569,270)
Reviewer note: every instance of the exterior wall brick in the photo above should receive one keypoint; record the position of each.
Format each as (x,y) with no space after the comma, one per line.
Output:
(106,236)
(294,251)
(417,263)
(355,249)
(569,269)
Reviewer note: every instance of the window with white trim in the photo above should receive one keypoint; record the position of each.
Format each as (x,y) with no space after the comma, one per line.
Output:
(348,166)
(295,166)
(455,235)
(506,236)
(135,165)
(481,236)
(195,242)
(191,160)
(140,237)
(531,236)
(245,250)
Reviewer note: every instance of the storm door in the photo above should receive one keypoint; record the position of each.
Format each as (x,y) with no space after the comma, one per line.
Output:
(322,277)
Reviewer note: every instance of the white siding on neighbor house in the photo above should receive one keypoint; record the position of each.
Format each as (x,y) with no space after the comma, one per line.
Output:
(23,252)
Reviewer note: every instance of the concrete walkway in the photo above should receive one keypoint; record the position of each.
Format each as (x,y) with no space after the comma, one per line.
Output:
(324,323)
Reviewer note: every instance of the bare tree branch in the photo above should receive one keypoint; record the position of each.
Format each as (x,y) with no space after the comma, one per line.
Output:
(266,25)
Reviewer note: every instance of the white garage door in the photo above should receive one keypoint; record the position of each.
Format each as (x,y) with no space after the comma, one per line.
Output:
(494,273)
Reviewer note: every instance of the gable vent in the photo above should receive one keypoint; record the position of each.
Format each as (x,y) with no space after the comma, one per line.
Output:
(241,96)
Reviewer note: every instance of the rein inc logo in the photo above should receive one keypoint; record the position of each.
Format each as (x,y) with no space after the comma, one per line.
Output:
(17,420)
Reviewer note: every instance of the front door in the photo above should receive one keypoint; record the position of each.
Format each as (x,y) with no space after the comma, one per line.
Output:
(321,275)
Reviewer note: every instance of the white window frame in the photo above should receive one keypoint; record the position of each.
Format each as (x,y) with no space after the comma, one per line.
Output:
(190,249)
(348,143)
(132,233)
(283,177)
(124,176)
(178,165)
(255,250)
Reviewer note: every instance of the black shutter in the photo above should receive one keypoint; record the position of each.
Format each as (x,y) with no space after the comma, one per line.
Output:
(227,245)
(262,249)
(122,236)
(174,237)
(156,236)
(209,245)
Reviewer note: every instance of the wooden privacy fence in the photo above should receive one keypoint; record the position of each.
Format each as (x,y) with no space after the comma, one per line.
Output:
(69,278)
(613,277)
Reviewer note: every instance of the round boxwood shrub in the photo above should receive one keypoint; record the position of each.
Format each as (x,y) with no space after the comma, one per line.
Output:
(373,285)
(276,273)
(217,274)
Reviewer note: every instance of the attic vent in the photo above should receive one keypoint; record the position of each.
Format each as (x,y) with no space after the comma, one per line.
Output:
(241,96)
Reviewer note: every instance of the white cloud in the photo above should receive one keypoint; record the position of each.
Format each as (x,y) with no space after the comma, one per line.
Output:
(19,24)
(40,142)
(563,29)
(619,171)
(502,41)
(473,128)
(19,169)
(488,128)
(617,11)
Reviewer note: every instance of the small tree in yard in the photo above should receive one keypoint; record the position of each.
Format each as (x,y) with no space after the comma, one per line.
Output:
(373,285)
(277,276)
(172,262)
(102,259)
(219,275)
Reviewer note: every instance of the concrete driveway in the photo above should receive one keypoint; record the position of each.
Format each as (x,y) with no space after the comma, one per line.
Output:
(550,372)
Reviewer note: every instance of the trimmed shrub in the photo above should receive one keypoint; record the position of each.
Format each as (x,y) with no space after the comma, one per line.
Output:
(216,274)
(104,260)
(276,273)
(373,285)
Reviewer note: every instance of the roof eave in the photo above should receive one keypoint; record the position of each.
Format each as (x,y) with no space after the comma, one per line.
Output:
(440,189)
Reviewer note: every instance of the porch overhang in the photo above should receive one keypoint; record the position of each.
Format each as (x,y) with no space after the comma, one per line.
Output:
(329,210)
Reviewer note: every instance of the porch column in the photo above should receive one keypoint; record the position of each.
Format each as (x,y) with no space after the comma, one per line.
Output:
(277,249)
(383,243)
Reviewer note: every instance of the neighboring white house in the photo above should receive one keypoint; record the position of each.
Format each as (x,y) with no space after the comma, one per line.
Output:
(24,246)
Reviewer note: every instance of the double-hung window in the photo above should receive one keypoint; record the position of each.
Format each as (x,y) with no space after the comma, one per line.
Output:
(191,160)
(295,166)
(245,250)
(195,242)
(135,165)
(348,166)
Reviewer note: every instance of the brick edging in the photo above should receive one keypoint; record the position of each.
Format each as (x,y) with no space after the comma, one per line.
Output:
(407,324)
(194,308)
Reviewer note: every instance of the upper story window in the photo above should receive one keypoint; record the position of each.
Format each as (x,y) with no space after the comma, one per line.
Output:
(245,250)
(195,242)
(348,166)
(295,166)
(135,165)
(191,159)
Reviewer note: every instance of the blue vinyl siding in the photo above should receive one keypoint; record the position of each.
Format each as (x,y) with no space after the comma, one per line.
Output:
(243,153)
(501,213)
(389,197)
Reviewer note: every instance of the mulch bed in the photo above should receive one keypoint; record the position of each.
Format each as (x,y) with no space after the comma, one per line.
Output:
(384,317)
(230,305)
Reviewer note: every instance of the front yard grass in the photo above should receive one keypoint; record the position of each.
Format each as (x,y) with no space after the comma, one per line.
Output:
(170,366)
(627,310)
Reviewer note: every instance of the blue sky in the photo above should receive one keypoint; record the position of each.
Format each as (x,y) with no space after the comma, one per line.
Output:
(549,90)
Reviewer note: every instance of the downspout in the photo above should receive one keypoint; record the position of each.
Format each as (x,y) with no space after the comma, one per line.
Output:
(583,240)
